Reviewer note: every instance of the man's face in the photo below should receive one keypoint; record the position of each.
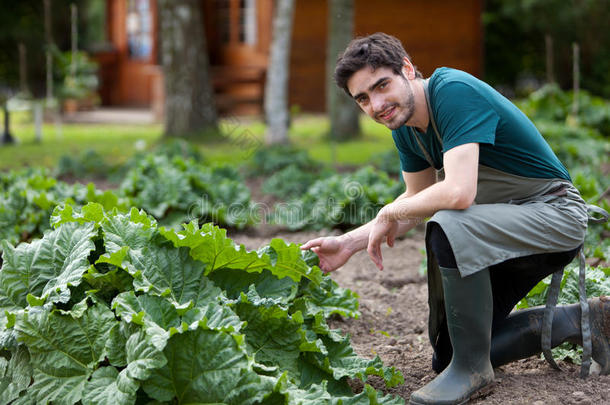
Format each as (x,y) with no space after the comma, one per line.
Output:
(383,95)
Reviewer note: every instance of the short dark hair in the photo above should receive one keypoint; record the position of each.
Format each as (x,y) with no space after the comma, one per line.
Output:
(375,50)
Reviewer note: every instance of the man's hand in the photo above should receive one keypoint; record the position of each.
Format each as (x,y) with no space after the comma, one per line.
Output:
(333,251)
(383,230)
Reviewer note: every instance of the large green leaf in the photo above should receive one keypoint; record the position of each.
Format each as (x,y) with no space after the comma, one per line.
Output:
(46,267)
(202,320)
(142,356)
(234,282)
(206,367)
(64,350)
(133,230)
(274,337)
(142,308)
(342,361)
(92,212)
(15,375)
(156,314)
(214,317)
(156,184)
(288,261)
(318,394)
(170,272)
(327,298)
(108,387)
(211,246)
(110,282)
(369,397)
(117,340)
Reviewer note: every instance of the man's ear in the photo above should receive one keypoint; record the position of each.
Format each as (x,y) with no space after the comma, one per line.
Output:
(407,69)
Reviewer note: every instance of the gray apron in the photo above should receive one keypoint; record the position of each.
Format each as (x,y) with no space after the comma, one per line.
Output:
(513,216)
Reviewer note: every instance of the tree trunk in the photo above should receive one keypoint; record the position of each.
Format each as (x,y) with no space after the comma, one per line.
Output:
(189,102)
(342,110)
(276,87)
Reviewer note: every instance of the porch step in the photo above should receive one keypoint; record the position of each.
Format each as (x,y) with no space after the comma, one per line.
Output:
(239,88)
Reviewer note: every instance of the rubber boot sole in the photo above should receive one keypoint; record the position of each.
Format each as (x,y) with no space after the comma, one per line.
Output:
(481,392)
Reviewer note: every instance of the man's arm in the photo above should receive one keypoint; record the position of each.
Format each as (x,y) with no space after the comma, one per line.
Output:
(415,182)
(456,192)
(335,251)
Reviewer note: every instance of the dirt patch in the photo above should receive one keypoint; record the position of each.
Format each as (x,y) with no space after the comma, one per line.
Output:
(394,308)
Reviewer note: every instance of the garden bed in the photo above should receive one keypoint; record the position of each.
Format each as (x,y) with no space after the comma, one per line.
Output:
(393,325)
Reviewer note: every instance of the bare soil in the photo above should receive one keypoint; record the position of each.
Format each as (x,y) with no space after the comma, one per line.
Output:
(393,325)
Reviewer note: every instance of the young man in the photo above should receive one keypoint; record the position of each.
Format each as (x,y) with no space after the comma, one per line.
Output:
(505,215)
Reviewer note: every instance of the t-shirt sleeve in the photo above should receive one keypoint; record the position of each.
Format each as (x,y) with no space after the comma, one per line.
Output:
(409,161)
(464,116)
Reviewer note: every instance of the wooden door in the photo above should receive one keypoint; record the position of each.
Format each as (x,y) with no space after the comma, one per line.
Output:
(239,36)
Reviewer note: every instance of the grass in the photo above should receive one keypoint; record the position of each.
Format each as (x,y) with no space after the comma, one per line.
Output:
(115,142)
(242,138)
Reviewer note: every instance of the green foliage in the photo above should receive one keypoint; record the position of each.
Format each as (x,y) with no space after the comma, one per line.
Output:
(291,182)
(272,159)
(340,201)
(110,308)
(178,148)
(27,199)
(175,190)
(597,283)
(522,25)
(389,162)
(86,164)
(78,76)
(581,143)
(550,103)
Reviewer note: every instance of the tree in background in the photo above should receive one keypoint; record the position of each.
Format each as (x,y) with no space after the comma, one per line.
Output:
(22,23)
(342,110)
(189,102)
(276,87)
(515,32)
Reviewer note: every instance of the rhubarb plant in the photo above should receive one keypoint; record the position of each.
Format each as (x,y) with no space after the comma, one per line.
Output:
(111,308)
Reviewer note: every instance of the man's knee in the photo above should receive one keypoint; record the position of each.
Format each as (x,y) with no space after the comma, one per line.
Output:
(440,246)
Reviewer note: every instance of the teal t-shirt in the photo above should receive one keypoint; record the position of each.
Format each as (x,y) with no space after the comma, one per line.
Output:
(468,110)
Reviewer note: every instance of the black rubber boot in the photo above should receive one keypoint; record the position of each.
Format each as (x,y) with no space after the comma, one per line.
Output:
(519,336)
(469,308)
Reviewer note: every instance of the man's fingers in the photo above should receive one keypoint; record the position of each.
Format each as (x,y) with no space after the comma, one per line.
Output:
(379,258)
(324,266)
(311,243)
(375,255)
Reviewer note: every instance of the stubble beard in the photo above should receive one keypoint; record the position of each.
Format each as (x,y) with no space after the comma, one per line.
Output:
(406,109)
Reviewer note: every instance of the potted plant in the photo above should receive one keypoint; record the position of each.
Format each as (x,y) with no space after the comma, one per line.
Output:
(79,82)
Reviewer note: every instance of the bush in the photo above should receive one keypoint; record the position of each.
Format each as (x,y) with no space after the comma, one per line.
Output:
(175,190)
(340,201)
(272,159)
(291,182)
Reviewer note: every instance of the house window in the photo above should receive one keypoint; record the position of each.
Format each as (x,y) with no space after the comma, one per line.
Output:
(139,29)
(237,21)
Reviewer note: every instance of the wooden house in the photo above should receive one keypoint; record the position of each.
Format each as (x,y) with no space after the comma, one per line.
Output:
(238,33)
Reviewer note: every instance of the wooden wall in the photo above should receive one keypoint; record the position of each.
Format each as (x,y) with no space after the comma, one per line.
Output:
(128,81)
(435,33)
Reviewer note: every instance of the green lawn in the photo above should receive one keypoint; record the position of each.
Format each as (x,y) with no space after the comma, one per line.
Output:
(242,137)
